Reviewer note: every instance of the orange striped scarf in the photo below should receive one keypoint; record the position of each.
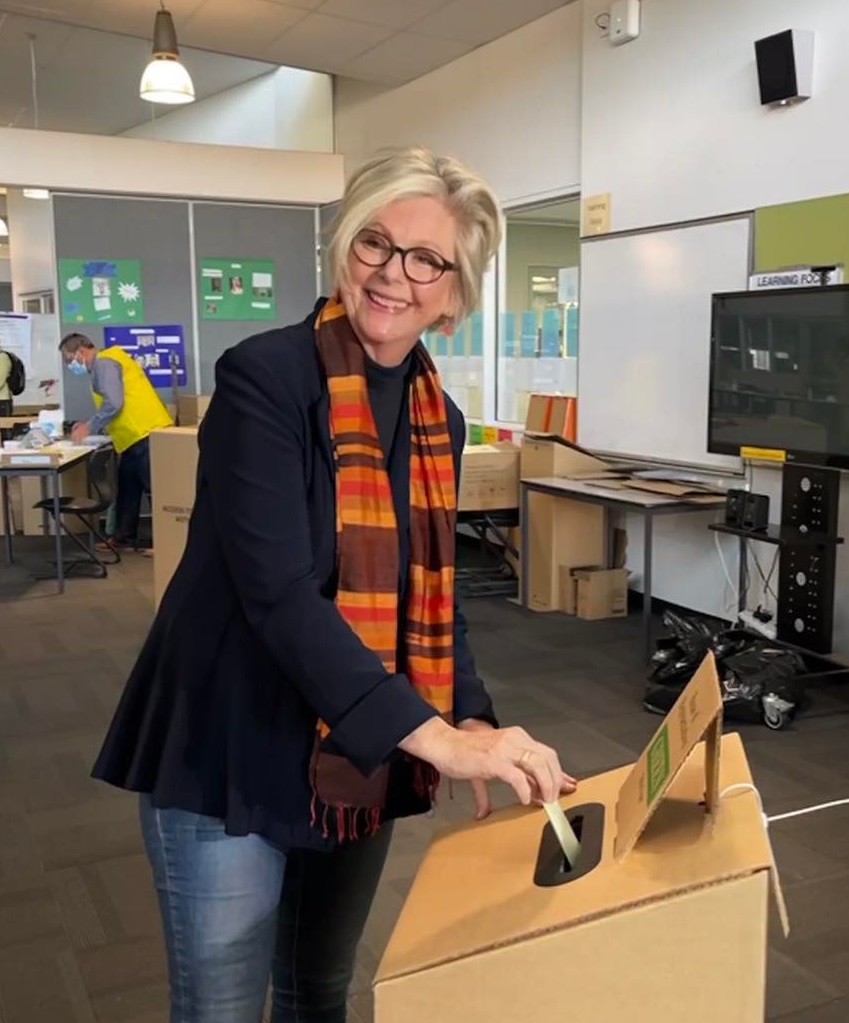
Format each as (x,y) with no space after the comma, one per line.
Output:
(368,557)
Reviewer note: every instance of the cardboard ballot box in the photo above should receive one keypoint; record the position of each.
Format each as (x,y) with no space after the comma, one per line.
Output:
(662,918)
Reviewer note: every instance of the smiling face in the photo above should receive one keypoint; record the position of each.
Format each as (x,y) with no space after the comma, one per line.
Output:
(387,309)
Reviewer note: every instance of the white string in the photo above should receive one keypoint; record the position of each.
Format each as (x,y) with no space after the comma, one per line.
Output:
(747,787)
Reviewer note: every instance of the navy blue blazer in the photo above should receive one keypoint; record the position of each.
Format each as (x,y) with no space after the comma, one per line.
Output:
(247,649)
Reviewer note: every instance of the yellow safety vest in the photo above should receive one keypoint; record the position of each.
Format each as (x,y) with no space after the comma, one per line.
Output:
(143,410)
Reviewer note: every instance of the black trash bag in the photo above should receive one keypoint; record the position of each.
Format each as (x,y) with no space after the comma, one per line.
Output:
(759,680)
(761,683)
(677,657)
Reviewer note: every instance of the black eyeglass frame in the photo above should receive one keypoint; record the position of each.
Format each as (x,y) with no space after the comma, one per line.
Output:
(443,266)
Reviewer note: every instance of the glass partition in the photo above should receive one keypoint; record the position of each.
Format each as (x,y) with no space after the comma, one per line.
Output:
(538,322)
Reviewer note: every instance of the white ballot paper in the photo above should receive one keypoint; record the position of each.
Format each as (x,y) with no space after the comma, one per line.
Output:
(563,830)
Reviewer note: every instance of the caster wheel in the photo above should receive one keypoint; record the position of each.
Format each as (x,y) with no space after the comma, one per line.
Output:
(776,719)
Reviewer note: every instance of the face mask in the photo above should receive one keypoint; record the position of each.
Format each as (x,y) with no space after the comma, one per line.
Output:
(77,368)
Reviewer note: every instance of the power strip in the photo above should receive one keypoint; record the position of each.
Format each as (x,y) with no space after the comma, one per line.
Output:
(752,622)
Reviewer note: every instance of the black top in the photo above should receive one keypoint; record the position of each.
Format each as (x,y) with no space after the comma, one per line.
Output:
(387,392)
(248,648)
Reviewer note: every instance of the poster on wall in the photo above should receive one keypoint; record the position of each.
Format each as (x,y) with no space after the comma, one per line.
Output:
(101,290)
(237,289)
(155,349)
(16,336)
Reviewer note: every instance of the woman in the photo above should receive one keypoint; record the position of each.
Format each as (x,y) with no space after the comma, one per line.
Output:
(307,678)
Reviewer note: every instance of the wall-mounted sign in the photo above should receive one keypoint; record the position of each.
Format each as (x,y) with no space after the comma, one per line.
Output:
(155,349)
(101,291)
(237,289)
(793,277)
(595,214)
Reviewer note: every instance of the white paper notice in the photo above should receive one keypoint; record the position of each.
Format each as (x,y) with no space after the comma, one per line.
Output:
(565,833)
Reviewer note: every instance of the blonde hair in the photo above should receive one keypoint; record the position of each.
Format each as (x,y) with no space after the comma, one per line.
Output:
(407,173)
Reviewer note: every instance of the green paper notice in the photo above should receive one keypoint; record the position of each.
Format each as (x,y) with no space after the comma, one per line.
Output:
(658,765)
(237,289)
(101,291)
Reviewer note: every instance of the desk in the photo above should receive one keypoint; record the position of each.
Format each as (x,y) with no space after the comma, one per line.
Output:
(63,459)
(624,499)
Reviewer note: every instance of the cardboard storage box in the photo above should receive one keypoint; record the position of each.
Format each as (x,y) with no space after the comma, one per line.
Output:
(601,594)
(554,456)
(191,408)
(662,918)
(173,465)
(489,477)
(552,414)
(569,587)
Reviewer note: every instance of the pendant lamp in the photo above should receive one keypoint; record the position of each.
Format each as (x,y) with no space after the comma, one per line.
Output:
(165,80)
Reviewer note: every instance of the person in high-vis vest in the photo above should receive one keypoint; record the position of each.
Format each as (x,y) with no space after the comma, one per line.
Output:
(127,409)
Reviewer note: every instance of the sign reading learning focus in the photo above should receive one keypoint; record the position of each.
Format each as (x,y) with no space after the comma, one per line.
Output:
(793,277)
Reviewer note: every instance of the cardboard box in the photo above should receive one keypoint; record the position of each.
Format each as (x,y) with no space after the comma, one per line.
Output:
(552,414)
(662,918)
(601,594)
(560,532)
(191,408)
(173,465)
(568,603)
(489,477)
(553,456)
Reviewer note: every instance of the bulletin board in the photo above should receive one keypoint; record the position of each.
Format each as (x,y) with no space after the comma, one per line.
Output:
(152,232)
(285,237)
(810,233)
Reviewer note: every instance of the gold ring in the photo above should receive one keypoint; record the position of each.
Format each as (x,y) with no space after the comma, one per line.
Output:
(525,756)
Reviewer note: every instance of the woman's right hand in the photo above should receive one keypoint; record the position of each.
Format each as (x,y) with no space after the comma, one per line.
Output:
(510,755)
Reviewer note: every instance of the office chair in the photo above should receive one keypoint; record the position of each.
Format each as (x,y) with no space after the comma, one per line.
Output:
(103,484)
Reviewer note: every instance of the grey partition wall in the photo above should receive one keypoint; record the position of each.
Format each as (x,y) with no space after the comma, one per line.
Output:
(286,236)
(155,232)
(326,216)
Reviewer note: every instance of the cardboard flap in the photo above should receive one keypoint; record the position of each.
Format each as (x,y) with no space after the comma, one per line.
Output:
(696,715)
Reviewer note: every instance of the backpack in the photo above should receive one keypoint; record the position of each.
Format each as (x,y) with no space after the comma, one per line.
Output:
(17,380)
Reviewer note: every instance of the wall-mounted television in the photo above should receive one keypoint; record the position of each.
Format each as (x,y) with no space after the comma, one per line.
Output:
(779,374)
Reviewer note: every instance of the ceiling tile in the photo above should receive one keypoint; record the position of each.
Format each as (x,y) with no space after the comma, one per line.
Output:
(322,43)
(392,13)
(223,26)
(472,22)
(403,57)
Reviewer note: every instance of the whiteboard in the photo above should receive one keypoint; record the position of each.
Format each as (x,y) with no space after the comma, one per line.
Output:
(43,362)
(644,358)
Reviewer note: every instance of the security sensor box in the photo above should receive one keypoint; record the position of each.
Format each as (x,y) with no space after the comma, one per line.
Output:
(661,918)
(624,21)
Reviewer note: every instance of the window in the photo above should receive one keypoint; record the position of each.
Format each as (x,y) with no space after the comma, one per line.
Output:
(459,359)
(538,314)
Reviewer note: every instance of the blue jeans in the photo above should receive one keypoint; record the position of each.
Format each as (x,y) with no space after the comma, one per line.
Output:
(237,912)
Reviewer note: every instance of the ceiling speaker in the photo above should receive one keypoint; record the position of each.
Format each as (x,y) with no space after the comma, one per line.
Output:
(785,67)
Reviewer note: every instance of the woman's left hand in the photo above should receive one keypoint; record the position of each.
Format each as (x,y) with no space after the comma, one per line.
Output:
(480,790)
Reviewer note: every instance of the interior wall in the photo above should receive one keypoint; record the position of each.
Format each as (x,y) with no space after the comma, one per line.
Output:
(286,109)
(672,125)
(30,242)
(510,109)
(556,245)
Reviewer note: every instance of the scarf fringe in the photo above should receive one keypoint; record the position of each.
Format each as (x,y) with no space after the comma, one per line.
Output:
(350,823)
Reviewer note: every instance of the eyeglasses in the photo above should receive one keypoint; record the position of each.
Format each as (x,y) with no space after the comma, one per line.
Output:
(420,265)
